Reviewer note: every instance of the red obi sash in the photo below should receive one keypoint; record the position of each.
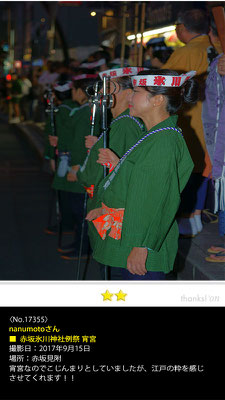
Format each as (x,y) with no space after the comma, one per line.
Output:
(112,219)
(90,190)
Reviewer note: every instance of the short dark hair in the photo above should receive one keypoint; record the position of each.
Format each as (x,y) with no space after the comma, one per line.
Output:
(195,20)
(84,83)
(175,96)
(125,82)
(98,55)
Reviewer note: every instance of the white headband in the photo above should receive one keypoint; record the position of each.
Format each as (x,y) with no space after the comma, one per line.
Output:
(93,64)
(63,88)
(118,72)
(84,76)
(162,80)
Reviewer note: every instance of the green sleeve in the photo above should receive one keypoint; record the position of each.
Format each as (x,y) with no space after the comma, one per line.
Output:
(63,129)
(81,127)
(48,149)
(122,136)
(87,176)
(153,195)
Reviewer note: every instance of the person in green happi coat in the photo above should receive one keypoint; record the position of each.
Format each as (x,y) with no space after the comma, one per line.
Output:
(80,127)
(137,203)
(56,144)
(124,131)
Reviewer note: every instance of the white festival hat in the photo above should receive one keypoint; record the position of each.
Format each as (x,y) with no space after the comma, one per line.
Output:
(94,64)
(119,72)
(162,80)
(84,76)
(62,88)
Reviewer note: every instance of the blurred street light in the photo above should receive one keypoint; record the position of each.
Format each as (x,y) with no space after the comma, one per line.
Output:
(153,32)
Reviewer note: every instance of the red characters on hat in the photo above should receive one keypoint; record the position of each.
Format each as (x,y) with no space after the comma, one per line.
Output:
(176,81)
(159,80)
(113,73)
(143,82)
(127,70)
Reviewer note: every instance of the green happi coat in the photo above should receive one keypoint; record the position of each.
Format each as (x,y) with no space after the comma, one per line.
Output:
(124,132)
(148,186)
(62,129)
(81,127)
(76,126)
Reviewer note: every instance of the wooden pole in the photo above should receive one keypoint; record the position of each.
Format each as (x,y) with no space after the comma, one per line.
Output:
(142,30)
(135,32)
(124,8)
(219,17)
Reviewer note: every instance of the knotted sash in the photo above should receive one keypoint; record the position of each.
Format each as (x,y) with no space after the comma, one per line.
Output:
(112,219)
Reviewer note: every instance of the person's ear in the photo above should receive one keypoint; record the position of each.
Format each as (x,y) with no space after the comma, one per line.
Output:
(159,99)
(129,92)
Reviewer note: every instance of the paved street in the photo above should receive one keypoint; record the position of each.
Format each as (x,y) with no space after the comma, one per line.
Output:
(26,252)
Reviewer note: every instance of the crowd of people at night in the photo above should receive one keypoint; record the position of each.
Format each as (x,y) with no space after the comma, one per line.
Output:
(148,184)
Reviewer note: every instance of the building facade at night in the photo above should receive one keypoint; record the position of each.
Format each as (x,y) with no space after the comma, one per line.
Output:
(73,29)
